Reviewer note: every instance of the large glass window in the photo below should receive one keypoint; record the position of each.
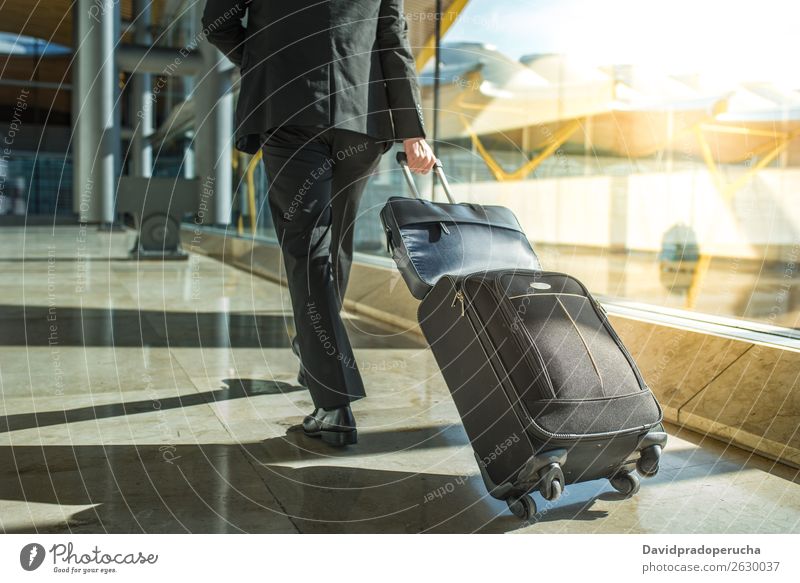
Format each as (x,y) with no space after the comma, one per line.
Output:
(650,149)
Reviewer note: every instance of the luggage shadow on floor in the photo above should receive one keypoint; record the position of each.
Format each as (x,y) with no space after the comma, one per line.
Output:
(213,488)
(339,499)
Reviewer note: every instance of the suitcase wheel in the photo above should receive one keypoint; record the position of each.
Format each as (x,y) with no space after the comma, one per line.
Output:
(647,464)
(625,482)
(522,507)
(551,481)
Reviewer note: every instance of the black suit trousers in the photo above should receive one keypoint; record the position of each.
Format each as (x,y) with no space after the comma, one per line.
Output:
(316,177)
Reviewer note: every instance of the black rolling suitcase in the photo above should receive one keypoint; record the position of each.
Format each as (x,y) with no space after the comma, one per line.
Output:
(547,392)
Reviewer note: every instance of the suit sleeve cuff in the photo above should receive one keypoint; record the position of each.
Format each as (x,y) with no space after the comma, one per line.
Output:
(408,123)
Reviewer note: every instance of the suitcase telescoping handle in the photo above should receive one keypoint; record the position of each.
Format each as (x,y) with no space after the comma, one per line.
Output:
(402,159)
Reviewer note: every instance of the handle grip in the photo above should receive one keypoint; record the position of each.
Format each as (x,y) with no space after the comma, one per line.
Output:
(402,159)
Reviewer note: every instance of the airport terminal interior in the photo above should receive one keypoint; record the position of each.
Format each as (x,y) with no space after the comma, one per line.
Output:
(147,381)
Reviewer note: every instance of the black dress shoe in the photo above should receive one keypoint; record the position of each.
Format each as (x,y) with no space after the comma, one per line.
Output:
(301,375)
(335,426)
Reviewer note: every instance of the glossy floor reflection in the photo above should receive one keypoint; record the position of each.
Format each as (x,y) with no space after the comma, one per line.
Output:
(160,397)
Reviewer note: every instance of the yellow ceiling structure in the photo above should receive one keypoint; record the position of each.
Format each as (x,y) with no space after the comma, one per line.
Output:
(51,20)
(421,17)
(52,71)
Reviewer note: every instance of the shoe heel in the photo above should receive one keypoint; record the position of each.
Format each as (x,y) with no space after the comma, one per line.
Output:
(340,437)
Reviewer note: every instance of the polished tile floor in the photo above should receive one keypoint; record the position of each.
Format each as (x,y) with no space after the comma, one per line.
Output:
(160,397)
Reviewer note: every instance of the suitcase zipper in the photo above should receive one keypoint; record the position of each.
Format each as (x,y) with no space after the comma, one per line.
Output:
(459,296)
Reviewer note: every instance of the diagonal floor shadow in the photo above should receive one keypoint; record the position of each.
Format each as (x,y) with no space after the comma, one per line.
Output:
(38,326)
(236,389)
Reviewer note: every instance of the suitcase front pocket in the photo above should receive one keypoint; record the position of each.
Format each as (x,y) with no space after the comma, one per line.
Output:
(564,343)
(583,358)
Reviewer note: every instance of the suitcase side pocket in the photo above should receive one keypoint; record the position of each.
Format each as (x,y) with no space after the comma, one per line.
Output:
(524,366)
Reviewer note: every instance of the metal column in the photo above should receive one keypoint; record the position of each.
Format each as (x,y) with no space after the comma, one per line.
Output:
(97,126)
(104,100)
(81,113)
(213,136)
(437,82)
(142,102)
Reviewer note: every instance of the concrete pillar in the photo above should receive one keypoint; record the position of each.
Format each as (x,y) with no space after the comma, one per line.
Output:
(214,136)
(142,102)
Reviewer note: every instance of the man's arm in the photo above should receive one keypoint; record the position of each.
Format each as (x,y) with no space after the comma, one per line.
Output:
(222,26)
(399,71)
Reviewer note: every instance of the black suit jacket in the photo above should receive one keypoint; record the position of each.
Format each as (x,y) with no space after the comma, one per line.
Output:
(329,63)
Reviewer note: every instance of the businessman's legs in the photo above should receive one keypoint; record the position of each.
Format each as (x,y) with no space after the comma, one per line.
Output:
(312,184)
(357,157)
(300,178)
